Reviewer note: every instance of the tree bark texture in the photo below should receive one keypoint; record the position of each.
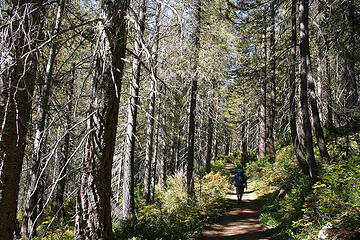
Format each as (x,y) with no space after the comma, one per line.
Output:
(194,86)
(263,93)
(294,136)
(272,102)
(314,108)
(304,74)
(16,91)
(93,219)
(128,183)
(209,139)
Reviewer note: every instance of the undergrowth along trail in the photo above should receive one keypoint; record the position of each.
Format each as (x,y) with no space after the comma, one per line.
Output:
(240,221)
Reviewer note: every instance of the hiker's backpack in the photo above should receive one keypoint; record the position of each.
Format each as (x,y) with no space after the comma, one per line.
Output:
(240,179)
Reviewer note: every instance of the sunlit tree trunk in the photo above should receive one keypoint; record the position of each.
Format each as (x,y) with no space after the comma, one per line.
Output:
(16,90)
(263,92)
(314,109)
(154,164)
(93,219)
(128,184)
(294,135)
(304,75)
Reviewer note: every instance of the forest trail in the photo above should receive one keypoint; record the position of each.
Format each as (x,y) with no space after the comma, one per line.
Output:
(240,221)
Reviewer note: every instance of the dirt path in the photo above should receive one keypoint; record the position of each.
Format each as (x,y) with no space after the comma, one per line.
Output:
(240,222)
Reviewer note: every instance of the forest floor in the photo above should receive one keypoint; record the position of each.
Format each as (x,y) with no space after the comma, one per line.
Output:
(240,221)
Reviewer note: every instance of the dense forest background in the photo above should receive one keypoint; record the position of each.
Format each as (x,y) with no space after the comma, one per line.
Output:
(118,116)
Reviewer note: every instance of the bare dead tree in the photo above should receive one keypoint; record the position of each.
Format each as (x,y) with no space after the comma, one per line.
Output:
(132,111)
(18,70)
(31,206)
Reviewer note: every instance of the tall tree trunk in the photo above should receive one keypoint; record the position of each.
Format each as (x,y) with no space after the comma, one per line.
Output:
(227,143)
(304,74)
(244,143)
(272,103)
(162,146)
(263,92)
(178,146)
(294,136)
(150,125)
(93,219)
(16,91)
(194,85)
(216,141)
(128,184)
(315,111)
(209,139)
(149,143)
(61,167)
(155,159)
(28,228)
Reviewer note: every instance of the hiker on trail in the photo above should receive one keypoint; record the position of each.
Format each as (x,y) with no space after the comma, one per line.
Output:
(240,183)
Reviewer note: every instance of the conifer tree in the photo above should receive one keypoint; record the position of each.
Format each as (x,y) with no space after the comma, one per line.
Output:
(93,219)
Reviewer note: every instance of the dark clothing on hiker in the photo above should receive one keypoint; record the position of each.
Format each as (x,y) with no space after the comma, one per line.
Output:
(240,183)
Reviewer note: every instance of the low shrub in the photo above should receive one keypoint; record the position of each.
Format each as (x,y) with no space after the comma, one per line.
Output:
(173,215)
(282,189)
(296,207)
(218,166)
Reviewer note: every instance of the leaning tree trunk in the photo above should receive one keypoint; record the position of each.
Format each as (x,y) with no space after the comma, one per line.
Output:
(314,108)
(16,92)
(316,118)
(304,74)
(93,219)
(128,210)
(28,228)
(294,135)
(272,103)
(194,85)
